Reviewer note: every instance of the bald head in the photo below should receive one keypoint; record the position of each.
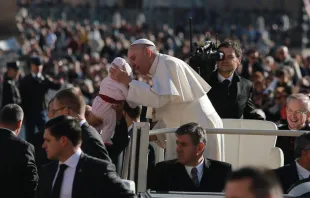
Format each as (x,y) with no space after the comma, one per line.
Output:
(282,53)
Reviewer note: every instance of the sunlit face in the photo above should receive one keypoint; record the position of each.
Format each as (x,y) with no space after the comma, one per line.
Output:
(238,189)
(297,114)
(230,62)
(139,59)
(51,145)
(188,153)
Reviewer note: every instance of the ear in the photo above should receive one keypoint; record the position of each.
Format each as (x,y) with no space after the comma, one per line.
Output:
(148,51)
(18,127)
(200,148)
(63,140)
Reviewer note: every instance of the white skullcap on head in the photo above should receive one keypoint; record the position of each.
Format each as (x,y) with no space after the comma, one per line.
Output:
(120,62)
(143,41)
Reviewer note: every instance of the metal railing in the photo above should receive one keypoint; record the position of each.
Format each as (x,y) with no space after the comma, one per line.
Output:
(140,142)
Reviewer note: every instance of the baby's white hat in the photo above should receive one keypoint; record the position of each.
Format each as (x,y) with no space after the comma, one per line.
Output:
(120,62)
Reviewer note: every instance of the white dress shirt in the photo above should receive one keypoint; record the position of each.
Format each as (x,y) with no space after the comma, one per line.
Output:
(130,127)
(199,168)
(67,182)
(82,122)
(302,172)
(222,78)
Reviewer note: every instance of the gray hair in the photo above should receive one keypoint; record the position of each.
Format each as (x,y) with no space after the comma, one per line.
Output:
(302,98)
(11,114)
(302,142)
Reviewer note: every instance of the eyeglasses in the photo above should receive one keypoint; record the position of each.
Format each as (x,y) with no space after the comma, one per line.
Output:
(298,112)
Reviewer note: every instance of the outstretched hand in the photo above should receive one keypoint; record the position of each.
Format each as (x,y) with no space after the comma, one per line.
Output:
(120,75)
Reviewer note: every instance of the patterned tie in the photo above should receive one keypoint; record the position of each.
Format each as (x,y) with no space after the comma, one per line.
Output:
(58,181)
(194,173)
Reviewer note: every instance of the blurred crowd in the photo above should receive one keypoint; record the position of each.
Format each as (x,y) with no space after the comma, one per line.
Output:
(78,53)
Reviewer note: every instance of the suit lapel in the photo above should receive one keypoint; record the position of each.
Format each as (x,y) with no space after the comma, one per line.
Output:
(205,183)
(239,86)
(51,176)
(184,181)
(78,177)
(294,172)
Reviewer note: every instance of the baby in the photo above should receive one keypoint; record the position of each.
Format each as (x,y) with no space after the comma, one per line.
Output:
(102,115)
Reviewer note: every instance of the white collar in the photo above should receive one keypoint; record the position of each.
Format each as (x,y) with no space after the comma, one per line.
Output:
(302,172)
(154,65)
(130,127)
(199,168)
(221,78)
(82,122)
(73,160)
(39,75)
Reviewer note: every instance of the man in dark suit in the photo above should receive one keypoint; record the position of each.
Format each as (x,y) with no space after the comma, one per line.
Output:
(18,172)
(297,109)
(10,92)
(190,171)
(231,94)
(75,174)
(298,169)
(33,88)
(71,102)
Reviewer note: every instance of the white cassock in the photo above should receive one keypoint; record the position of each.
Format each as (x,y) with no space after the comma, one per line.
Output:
(178,96)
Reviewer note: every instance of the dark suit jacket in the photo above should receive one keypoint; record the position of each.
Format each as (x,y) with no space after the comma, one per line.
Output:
(286,143)
(120,140)
(10,92)
(172,176)
(30,87)
(93,178)
(238,103)
(287,175)
(92,145)
(18,172)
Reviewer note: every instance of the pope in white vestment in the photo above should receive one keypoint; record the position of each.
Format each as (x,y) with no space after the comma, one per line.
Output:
(178,96)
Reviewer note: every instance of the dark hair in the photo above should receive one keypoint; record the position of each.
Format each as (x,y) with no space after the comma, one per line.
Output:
(263,181)
(133,113)
(233,44)
(195,131)
(11,114)
(302,142)
(65,126)
(71,98)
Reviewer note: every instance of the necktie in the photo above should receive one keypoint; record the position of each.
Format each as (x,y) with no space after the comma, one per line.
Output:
(194,173)
(58,181)
(226,83)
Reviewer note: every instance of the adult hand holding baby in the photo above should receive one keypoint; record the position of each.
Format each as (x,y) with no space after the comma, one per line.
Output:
(120,75)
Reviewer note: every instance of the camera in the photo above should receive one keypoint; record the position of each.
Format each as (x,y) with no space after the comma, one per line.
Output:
(204,59)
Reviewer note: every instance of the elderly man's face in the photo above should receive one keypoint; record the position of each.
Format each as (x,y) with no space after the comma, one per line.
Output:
(297,114)
(139,59)
(239,189)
